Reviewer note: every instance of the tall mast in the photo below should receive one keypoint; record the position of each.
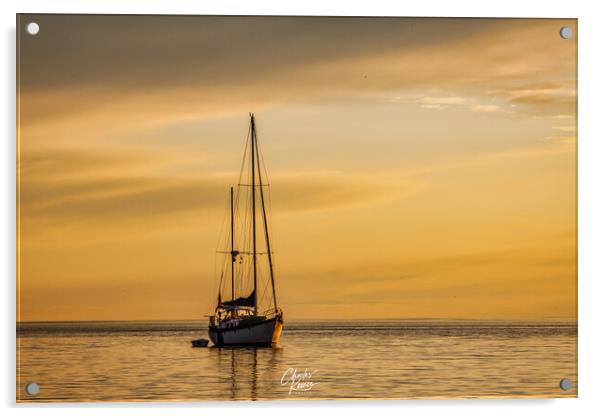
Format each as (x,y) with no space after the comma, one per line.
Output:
(265,226)
(253,203)
(232,252)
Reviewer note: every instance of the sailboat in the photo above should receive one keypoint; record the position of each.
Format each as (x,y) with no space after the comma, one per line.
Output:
(251,317)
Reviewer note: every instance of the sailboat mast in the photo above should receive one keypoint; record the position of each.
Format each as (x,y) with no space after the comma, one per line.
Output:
(253,205)
(232,252)
(265,226)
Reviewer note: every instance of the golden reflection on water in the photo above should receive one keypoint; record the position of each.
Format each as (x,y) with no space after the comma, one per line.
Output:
(138,361)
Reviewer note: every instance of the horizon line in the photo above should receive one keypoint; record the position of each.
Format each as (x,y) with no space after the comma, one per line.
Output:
(547,319)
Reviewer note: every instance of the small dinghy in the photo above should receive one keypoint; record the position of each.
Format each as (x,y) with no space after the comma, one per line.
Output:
(201,342)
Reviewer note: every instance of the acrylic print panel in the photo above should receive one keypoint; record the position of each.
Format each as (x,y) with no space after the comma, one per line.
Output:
(275,208)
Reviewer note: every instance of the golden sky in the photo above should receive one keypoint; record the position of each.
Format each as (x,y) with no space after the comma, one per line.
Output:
(419,168)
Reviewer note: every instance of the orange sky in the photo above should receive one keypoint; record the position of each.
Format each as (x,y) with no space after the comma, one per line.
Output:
(419,168)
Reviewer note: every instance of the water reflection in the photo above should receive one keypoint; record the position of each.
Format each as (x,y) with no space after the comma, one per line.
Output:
(142,361)
(240,366)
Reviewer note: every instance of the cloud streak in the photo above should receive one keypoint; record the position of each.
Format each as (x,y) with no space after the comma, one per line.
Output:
(57,188)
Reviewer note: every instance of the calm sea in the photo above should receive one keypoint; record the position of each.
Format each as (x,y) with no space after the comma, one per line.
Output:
(137,361)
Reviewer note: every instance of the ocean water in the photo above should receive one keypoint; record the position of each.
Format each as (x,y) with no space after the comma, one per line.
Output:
(154,361)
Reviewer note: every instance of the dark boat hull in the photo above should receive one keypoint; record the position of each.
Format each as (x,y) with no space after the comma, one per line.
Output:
(263,333)
(200,342)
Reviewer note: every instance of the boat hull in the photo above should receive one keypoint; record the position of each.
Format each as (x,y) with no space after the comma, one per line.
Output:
(262,333)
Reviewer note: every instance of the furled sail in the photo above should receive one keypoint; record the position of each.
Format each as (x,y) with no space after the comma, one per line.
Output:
(248,301)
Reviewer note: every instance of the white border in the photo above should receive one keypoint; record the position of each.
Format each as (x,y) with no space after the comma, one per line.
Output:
(590,200)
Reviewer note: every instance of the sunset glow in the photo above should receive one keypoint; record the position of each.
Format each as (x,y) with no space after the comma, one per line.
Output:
(419,168)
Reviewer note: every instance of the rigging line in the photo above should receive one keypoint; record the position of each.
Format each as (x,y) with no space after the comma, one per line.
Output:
(221,232)
(243,218)
(269,204)
(247,242)
(242,201)
(268,191)
(260,152)
(267,178)
(242,169)
(244,269)
(267,236)
(221,280)
(258,281)
(224,268)
(271,230)
(239,273)
(244,154)
(265,290)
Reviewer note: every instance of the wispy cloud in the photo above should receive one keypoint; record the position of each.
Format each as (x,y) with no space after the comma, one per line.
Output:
(433,106)
(560,139)
(565,128)
(68,192)
(443,100)
(486,108)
